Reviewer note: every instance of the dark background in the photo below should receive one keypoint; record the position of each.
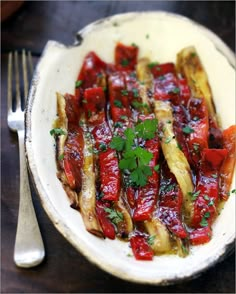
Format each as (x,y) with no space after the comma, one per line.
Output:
(64,269)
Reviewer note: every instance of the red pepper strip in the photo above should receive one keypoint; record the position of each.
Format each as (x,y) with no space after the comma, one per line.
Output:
(185,92)
(207,187)
(197,137)
(166,88)
(72,108)
(94,104)
(126,57)
(141,249)
(102,134)
(215,135)
(147,195)
(227,168)
(110,175)
(180,120)
(93,67)
(162,69)
(200,236)
(73,157)
(106,224)
(130,193)
(119,101)
(170,203)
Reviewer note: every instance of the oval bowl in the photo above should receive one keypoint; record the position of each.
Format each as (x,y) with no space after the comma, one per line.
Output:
(160,36)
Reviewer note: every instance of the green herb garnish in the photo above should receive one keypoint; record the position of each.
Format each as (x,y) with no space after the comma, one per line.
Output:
(118,103)
(151,239)
(78,83)
(60,157)
(124,93)
(188,130)
(114,215)
(124,62)
(153,64)
(194,195)
(57,132)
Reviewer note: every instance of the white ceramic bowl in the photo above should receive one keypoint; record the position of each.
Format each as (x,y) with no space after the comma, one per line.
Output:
(57,71)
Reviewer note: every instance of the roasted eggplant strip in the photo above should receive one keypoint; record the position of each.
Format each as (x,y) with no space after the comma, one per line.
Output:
(161,242)
(87,197)
(143,73)
(190,66)
(170,203)
(175,158)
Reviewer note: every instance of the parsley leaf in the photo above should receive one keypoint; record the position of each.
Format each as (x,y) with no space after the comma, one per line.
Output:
(153,64)
(118,103)
(124,62)
(78,83)
(57,132)
(124,92)
(147,129)
(175,90)
(204,221)
(151,239)
(188,130)
(114,215)
(60,157)
(117,143)
(135,92)
(194,195)
(157,167)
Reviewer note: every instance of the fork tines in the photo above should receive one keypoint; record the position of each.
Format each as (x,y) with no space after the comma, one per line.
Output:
(26,63)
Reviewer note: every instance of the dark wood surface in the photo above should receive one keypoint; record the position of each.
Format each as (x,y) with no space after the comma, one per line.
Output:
(64,269)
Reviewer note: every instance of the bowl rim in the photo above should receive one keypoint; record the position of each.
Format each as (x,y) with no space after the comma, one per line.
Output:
(48,207)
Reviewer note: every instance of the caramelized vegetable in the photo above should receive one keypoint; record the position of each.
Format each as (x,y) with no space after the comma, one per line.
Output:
(175,158)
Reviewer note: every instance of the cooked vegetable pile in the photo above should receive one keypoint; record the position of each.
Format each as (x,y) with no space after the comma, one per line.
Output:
(140,152)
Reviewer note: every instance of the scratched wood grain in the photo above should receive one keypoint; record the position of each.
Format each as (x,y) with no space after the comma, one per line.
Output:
(66,270)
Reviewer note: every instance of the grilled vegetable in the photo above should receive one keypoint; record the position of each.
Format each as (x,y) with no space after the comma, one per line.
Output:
(87,197)
(190,66)
(175,158)
(161,242)
(143,72)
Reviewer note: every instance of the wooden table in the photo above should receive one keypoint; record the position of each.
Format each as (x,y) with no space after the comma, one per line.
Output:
(64,269)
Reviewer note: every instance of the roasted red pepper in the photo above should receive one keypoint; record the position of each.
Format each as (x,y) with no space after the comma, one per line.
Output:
(119,102)
(147,195)
(141,248)
(126,57)
(196,132)
(110,175)
(72,109)
(107,226)
(73,157)
(162,69)
(170,203)
(200,236)
(206,194)
(227,168)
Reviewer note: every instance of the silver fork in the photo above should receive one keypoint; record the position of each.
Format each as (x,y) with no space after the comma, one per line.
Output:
(29,249)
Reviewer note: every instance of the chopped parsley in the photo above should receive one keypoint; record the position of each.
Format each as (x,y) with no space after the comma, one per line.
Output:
(134,45)
(84,101)
(153,64)
(57,132)
(118,124)
(195,118)
(206,197)
(204,221)
(114,215)
(124,92)
(175,90)
(194,195)
(147,36)
(118,103)
(214,176)
(139,105)
(167,141)
(147,129)
(157,167)
(103,146)
(117,143)
(151,239)
(233,191)
(193,54)
(78,83)
(124,117)
(188,130)
(60,157)
(161,78)
(211,202)
(135,92)
(124,62)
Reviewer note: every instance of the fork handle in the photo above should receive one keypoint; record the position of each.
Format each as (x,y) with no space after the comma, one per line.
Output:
(29,249)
